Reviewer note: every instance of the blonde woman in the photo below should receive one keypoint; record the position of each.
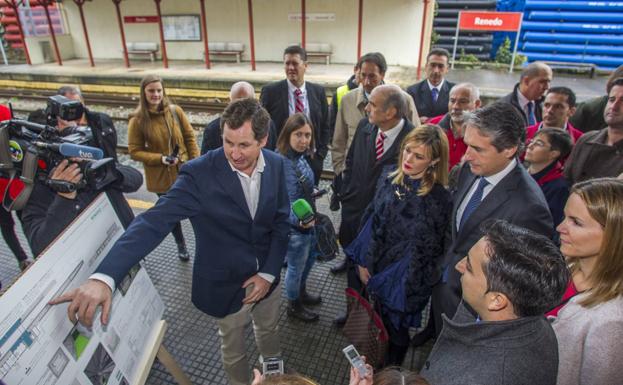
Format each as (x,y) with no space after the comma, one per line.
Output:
(589,327)
(160,136)
(409,216)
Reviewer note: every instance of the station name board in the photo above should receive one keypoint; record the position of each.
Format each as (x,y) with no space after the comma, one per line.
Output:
(490,21)
(140,19)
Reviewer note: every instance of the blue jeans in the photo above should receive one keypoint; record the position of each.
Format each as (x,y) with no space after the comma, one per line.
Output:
(300,258)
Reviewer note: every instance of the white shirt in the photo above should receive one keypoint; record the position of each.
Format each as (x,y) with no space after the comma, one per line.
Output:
(390,135)
(251,184)
(292,99)
(251,190)
(493,181)
(431,86)
(523,103)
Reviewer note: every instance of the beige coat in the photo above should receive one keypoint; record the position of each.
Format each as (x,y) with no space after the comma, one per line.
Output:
(349,115)
(149,147)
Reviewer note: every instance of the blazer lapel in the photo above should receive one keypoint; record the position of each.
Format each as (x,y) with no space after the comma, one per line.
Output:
(459,196)
(228,179)
(492,202)
(427,96)
(265,186)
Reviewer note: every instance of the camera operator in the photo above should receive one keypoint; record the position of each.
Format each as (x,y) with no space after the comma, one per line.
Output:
(49,212)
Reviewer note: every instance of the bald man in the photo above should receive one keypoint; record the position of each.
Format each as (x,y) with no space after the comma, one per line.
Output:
(212,137)
(527,96)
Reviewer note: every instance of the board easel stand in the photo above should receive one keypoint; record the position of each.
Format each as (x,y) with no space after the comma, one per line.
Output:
(157,350)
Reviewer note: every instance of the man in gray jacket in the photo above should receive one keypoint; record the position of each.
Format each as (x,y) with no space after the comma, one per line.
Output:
(499,334)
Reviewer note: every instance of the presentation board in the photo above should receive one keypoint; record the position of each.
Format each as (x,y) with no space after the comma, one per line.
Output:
(38,343)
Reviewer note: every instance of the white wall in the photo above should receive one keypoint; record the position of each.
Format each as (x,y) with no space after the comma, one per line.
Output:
(392,27)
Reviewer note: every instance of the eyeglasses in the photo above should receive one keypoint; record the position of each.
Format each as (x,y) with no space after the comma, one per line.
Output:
(537,143)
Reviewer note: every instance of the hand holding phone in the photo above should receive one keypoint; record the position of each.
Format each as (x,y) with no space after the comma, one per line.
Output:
(356,360)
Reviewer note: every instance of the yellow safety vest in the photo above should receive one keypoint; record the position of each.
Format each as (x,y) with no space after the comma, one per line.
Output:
(341,91)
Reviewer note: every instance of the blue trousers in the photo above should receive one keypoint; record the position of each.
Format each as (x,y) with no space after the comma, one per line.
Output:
(300,258)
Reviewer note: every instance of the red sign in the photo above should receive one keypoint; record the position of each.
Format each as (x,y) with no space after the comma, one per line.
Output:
(490,21)
(140,19)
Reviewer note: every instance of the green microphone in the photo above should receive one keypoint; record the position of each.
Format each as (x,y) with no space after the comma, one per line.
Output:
(303,211)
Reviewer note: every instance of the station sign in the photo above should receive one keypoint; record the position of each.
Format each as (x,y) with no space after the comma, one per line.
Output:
(490,21)
(140,19)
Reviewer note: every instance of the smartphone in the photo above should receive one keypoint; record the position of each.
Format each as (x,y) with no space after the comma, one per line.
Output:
(272,366)
(355,360)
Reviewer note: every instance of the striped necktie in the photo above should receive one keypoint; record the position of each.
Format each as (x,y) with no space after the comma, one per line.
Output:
(299,106)
(380,141)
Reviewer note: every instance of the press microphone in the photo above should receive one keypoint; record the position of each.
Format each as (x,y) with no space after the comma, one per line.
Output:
(303,211)
(71,150)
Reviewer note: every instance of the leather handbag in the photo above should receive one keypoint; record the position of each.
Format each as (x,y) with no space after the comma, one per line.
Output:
(365,330)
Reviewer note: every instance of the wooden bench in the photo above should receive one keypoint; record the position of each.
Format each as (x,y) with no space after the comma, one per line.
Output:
(318,50)
(589,67)
(222,48)
(143,48)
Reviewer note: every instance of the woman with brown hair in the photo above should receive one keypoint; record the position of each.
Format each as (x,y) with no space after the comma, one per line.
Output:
(160,136)
(295,142)
(408,219)
(589,327)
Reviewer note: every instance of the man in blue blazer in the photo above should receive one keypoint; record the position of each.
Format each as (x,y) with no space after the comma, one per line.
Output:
(237,203)
(294,94)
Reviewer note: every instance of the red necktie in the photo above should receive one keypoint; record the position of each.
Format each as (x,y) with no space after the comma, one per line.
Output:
(298,101)
(380,141)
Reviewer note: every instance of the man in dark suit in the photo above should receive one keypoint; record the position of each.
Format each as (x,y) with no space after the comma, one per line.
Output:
(376,144)
(528,95)
(293,94)
(491,184)
(431,95)
(212,136)
(236,199)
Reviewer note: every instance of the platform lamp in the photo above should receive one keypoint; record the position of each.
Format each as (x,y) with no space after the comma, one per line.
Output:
(45,4)
(80,4)
(14,5)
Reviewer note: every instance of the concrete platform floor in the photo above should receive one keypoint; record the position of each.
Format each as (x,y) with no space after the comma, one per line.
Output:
(314,350)
(193,74)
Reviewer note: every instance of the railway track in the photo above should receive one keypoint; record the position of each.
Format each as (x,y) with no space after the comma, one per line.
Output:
(126,101)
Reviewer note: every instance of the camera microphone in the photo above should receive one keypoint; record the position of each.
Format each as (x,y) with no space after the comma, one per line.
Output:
(78,151)
(74,150)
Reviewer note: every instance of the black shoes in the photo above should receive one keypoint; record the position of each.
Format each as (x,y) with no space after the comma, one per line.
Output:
(298,311)
(309,299)
(182,253)
(340,321)
(339,267)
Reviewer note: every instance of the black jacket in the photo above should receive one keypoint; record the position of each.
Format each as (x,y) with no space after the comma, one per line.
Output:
(517,198)
(420,92)
(361,174)
(212,138)
(274,97)
(47,214)
(404,223)
(514,101)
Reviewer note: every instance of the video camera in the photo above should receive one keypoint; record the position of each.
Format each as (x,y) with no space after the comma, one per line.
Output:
(30,150)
